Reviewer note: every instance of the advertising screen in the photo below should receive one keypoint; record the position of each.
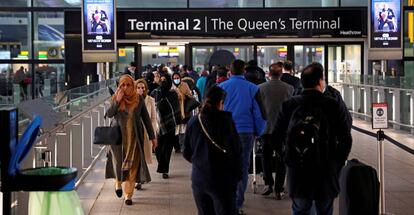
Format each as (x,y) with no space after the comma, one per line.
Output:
(98,25)
(385,24)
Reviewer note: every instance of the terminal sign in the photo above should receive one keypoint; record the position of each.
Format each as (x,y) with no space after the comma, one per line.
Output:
(340,22)
(379,116)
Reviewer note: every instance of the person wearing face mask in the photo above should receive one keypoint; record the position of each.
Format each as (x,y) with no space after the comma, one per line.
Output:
(183,91)
(142,90)
(216,167)
(168,110)
(126,162)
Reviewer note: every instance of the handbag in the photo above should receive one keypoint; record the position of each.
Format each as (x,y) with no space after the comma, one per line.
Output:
(107,135)
(190,104)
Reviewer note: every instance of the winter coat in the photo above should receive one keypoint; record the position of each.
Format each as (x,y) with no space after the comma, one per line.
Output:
(141,117)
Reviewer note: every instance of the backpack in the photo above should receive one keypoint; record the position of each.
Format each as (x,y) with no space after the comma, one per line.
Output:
(306,138)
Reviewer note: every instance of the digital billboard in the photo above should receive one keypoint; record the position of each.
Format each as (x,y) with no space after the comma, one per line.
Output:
(385,24)
(99,25)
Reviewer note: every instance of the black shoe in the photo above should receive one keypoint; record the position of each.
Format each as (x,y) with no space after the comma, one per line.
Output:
(138,186)
(280,195)
(267,190)
(128,202)
(118,193)
(165,175)
(240,212)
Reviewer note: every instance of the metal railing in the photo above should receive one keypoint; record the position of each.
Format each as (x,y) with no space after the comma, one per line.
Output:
(70,143)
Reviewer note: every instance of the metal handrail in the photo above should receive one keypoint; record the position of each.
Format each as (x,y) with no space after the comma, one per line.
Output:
(62,125)
(376,86)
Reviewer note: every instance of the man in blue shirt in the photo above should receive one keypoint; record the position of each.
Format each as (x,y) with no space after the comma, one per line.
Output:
(241,100)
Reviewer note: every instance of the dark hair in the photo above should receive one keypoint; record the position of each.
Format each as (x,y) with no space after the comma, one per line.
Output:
(237,67)
(252,63)
(149,77)
(213,98)
(185,67)
(277,71)
(133,64)
(175,73)
(311,75)
(288,65)
(222,72)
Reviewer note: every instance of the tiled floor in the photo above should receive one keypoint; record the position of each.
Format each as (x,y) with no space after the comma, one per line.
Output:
(173,196)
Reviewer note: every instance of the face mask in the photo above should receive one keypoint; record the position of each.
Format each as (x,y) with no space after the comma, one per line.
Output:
(176,81)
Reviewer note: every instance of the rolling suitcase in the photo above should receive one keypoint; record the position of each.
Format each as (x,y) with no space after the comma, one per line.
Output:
(359,189)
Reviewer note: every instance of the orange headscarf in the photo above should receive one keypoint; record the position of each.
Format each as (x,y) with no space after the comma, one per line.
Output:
(130,99)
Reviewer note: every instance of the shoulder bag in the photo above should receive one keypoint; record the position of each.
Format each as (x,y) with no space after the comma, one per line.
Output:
(208,136)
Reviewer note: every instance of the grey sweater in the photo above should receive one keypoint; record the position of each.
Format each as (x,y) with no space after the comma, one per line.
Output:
(274,93)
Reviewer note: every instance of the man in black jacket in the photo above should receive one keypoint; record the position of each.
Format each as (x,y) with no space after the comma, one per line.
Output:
(317,181)
(289,78)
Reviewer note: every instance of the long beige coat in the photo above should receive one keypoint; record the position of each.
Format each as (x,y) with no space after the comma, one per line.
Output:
(150,104)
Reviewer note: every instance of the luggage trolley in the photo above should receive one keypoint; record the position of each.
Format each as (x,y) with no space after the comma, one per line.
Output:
(256,153)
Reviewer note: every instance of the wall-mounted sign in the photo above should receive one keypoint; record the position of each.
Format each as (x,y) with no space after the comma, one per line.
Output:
(385,18)
(325,22)
(379,116)
(98,28)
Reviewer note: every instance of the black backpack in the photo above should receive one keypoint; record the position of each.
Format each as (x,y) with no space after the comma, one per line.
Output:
(306,142)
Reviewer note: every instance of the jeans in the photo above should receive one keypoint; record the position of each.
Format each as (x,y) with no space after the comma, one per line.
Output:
(304,207)
(267,165)
(213,201)
(246,141)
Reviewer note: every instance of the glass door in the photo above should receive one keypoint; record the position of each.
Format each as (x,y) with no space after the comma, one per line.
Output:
(267,55)
(205,56)
(126,55)
(167,55)
(305,55)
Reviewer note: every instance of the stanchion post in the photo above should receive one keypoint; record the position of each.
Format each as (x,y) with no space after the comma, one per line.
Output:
(380,139)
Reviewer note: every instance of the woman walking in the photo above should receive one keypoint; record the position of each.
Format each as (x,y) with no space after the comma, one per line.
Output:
(168,108)
(212,146)
(126,162)
(183,91)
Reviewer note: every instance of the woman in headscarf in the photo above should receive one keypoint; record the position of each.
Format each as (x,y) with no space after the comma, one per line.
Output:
(142,90)
(168,108)
(152,85)
(126,162)
(183,91)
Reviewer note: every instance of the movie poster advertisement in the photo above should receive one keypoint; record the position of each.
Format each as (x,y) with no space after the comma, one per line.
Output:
(385,24)
(98,25)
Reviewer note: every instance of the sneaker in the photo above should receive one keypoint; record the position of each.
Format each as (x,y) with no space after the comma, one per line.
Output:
(280,195)
(128,201)
(118,192)
(138,186)
(267,190)
(165,175)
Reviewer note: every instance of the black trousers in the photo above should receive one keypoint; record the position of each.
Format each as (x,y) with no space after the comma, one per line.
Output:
(214,201)
(164,150)
(268,149)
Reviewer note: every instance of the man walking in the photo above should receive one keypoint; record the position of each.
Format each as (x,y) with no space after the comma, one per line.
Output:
(317,143)
(241,101)
(288,77)
(274,93)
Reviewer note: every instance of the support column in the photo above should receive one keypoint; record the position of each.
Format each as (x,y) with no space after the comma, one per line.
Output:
(396,103)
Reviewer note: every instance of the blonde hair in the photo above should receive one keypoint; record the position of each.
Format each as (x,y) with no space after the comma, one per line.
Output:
(142,81)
